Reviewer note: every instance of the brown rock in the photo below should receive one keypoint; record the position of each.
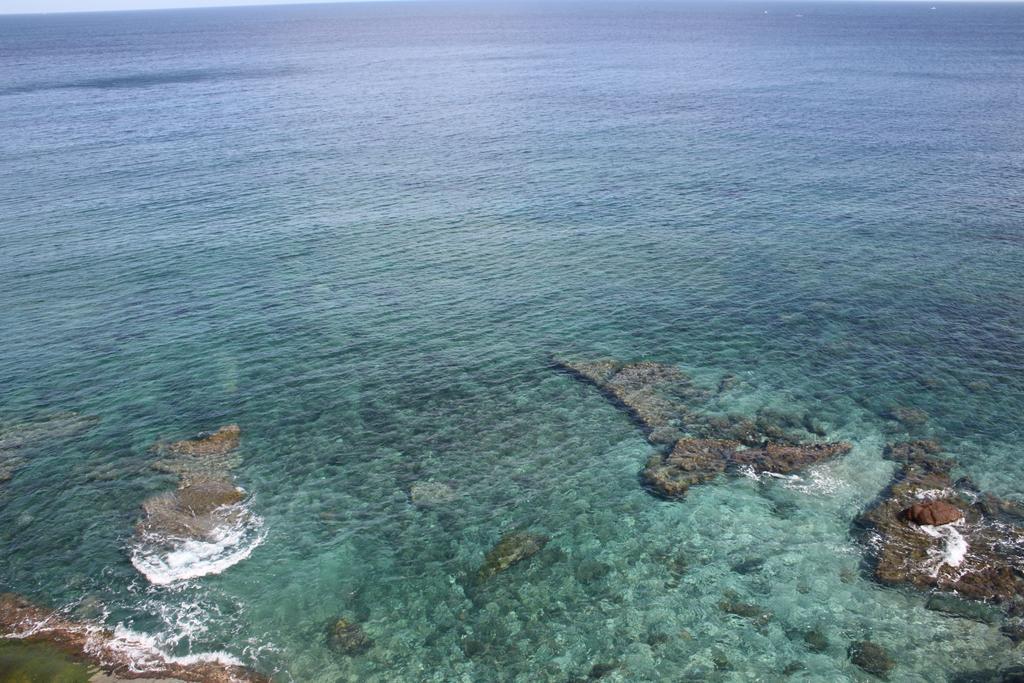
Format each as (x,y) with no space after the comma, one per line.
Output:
(933,512)
(691,461)
(219,442)
(191,512)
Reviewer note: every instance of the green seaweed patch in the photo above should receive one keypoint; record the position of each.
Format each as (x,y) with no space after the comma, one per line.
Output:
(22,662)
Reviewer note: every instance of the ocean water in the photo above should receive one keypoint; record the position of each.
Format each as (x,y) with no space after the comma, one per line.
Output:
(361,232)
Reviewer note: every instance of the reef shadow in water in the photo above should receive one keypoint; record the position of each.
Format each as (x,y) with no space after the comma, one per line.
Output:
(148,80)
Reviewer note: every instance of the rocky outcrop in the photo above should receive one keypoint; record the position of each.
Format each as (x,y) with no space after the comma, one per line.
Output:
(189,511)
(696,461)
(662,400)
(222,441)
(513,547)
(197,507)
(22,620)
(204,515)
(930,532)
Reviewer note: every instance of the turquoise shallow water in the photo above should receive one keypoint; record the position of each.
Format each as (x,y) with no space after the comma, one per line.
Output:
(361,231)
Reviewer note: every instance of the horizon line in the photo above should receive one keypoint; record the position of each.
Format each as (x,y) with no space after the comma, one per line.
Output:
(307,3)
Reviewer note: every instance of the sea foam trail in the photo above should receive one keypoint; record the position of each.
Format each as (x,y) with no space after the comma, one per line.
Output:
(164,560)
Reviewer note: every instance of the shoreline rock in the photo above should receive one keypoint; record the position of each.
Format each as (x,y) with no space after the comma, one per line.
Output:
(23,621)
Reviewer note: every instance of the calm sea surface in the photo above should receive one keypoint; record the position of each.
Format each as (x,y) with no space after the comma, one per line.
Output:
(361,231)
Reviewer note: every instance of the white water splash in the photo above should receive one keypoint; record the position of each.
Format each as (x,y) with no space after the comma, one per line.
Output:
(954,549)
(164,560)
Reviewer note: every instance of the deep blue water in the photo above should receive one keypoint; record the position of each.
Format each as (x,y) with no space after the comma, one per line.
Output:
(361,231)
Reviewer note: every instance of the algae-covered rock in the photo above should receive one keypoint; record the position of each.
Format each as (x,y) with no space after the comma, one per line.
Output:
(513,547)
(30,662)
(347,638)
(872,658)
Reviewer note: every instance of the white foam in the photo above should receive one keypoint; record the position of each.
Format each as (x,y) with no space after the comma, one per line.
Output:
(138,652)
(933,494)
(164,560)
(143,652)
(954,549)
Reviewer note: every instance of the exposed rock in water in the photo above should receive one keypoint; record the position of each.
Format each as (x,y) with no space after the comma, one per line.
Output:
(933,512)
(972,553)
(660,399)
(513,547)
(690,462)
(348,638)
(872,658)
(430,493)
(189,511)
(20,619)
(695,461)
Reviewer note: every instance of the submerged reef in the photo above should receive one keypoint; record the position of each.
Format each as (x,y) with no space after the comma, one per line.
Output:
(930,532)
(116,655)
(347,638)
(663,400)
(16,439)
(513,547)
